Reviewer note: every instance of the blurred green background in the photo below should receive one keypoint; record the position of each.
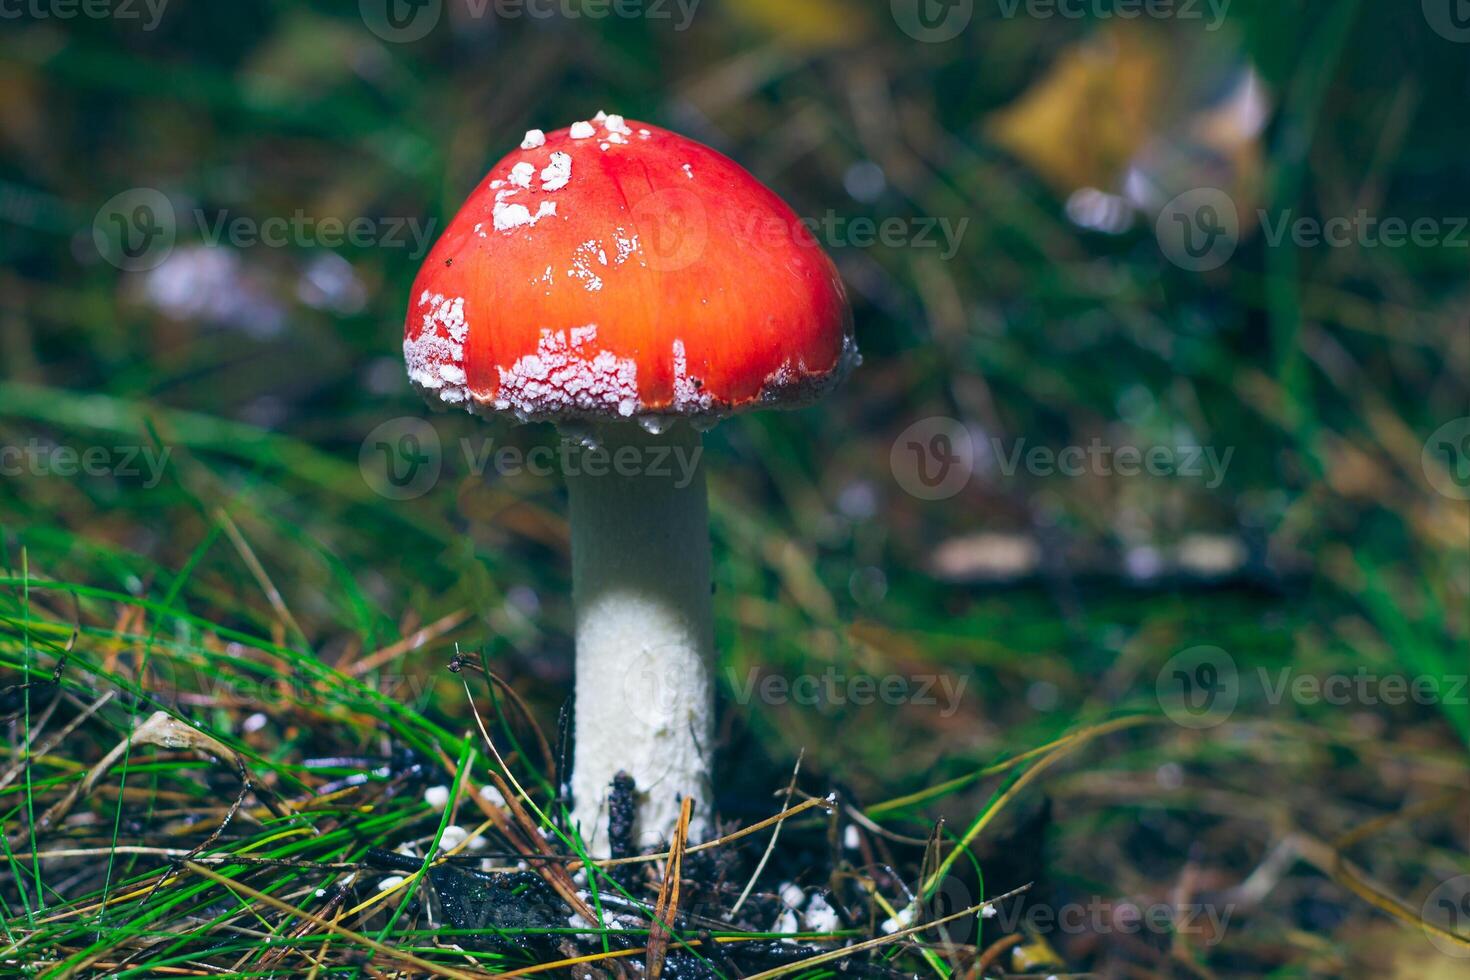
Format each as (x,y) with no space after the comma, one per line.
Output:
(1035,165)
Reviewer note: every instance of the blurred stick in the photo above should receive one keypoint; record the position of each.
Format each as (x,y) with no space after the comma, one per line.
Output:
(433,969)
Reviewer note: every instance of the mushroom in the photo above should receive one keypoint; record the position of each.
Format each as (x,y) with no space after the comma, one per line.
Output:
(634,287)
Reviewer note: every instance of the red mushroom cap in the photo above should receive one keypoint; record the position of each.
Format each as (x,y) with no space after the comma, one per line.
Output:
(613,269)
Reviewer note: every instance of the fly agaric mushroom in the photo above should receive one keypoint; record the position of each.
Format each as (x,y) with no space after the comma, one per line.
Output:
(634,287)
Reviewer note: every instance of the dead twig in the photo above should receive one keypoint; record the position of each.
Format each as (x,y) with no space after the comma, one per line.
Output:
(666,909)
(771,845)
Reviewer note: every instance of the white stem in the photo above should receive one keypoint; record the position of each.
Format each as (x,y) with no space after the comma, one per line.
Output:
(645,632)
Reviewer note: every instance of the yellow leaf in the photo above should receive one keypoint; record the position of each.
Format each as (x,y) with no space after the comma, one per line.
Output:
(1080,124)
(806,24)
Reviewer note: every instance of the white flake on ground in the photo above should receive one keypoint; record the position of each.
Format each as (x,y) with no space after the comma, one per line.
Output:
(820,916)
(582,131)
(437,797)
(521,174)
(435,358)
(557,172)
(534,138)
(569,374)
(902,920)
(689,396)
